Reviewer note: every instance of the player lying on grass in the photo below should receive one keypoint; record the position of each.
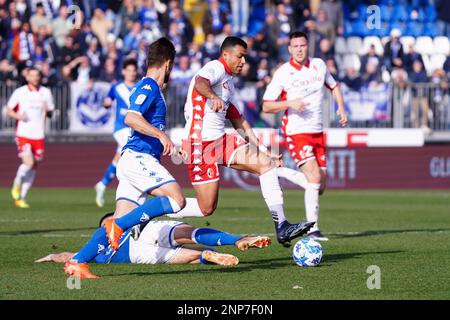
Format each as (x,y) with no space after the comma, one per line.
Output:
(157,242)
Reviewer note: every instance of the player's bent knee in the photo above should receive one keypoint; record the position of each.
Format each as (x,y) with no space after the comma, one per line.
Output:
(177,203)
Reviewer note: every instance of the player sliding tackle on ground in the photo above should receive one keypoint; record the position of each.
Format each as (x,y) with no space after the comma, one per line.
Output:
(159,242)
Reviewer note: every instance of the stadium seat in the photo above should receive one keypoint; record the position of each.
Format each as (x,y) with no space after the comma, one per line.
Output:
(427,64)
(430,29)
(359,28)
(437,61)
(386,12)
(414,29)
(352,60)
(424,45)
(430,13)
(354,44)
(406,42)
(340,46)
(367,41)
(400,13)
(441,45)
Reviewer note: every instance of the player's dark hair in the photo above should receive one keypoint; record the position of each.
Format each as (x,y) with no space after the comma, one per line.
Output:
(298,34)
(33,68)
(232,41)
(160,51)
(129,62)
(109,214)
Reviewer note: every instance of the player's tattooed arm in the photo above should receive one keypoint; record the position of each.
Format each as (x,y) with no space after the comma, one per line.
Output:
(203,86)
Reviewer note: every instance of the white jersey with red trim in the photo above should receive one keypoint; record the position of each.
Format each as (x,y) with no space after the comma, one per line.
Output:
(34,104)
(292,81)
(202,123)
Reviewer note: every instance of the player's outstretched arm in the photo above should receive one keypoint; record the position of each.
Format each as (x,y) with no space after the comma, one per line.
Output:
(137,122)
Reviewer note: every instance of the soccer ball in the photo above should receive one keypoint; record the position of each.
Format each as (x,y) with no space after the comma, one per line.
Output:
(307,252)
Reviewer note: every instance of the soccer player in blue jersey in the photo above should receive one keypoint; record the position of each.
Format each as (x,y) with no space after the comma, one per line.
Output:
(139,171)
(159,242)
(120,94)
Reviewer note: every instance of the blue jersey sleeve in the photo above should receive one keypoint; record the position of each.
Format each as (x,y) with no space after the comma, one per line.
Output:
(142,98)
(111,93)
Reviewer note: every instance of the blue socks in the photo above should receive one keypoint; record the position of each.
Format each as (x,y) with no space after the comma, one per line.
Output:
(151,208)
(110,174)
(211,237)
(93,247)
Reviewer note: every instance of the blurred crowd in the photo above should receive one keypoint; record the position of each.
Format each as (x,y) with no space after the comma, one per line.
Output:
(78,40)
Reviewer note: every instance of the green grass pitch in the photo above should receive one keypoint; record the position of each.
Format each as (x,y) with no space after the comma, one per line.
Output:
(405,233)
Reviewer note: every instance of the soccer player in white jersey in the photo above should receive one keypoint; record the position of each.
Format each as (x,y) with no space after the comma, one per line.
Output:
(120,94)
(297,90)
(163,242)
(209,103)
(29,105)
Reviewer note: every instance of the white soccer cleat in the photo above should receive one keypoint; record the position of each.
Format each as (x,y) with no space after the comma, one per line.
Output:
(100,194)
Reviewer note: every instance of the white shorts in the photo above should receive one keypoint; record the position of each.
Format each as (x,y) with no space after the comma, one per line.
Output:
(121,137)
(139,173)
(154,244)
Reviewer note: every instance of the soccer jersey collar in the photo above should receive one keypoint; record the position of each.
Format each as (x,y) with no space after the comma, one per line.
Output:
(33,89)
(299,66)
(227,68)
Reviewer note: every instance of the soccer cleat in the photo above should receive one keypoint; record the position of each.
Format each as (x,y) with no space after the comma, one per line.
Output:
(287,231)
(253,242)
(79,270)
(222,259)
(100,194)
(15,191)
(318,236)
(113,233)
(21,204)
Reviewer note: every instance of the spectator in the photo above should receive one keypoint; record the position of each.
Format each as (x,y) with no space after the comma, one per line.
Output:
(325,49)
(240,15)
(184,25)
(447,66)
(334,12)
(69,52)
(50,7)
(333,68)
(443,17)
(352,79)
(371,76)
(49,76)
(371,57)
(175,35)
(393,51)
(5,33)
(314,38)
(226,32)
(21,8)
(95,57)
(100,26)
(149,16)
(410,57)
(418,77)
(272,34)
(210,49)
(214,18)
(40,19)
(24,46)
(47,45)
(128,15)
(61,27)
(109,72)
(325,27)
(195,55)
(8,72)
(181,76)
(133,38)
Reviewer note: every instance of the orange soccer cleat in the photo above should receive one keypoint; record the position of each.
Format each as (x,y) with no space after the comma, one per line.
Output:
(113,233)
(79,270)
(253,242)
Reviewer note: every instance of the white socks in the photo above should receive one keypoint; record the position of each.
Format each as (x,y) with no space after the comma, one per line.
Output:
(294,176)
(312,204)
(191,209)
(273,196)
(27,182)
(21,172)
